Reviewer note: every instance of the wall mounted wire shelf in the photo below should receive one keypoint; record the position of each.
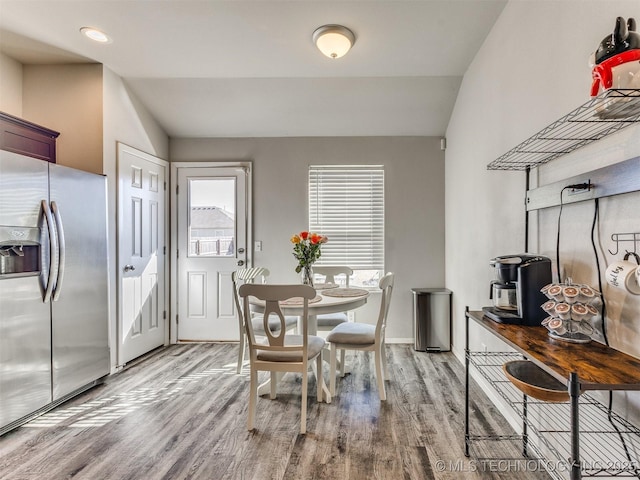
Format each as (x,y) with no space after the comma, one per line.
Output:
(603,115)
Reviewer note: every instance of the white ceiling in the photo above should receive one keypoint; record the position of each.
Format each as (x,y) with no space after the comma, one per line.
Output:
(249,68)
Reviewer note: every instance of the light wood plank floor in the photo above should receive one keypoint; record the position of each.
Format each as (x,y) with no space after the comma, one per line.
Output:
(181,414)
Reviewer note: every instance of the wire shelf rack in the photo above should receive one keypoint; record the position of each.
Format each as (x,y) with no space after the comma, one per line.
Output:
(603,115)
(609,444)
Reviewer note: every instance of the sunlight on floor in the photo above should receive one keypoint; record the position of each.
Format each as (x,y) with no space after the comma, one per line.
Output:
(99,412)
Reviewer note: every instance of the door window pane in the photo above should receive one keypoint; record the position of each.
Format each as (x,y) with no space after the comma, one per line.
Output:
(212,217)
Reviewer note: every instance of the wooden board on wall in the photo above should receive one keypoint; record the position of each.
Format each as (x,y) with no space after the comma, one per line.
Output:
(26,138)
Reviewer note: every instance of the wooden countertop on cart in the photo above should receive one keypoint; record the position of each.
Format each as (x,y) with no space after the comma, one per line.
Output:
(598,366)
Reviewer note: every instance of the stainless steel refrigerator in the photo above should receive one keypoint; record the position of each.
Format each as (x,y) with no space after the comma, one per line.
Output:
(53,285)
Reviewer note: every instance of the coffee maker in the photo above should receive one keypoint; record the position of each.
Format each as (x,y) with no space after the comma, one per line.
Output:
(515,292)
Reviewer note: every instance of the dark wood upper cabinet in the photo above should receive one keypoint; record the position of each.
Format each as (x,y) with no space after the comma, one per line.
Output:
(20,136)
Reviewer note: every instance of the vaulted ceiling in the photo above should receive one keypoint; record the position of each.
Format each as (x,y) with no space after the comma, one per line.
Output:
(250,69)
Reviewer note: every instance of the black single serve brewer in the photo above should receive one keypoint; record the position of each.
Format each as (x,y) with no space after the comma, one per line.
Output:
(515,292)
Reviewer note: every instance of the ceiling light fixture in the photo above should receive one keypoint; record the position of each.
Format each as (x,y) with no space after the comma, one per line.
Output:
(333,40)
(95,35)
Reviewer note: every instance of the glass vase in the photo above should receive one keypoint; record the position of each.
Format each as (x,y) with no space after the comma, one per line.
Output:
(307,275)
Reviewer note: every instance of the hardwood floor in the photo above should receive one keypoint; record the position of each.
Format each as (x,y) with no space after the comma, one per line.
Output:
(181,414)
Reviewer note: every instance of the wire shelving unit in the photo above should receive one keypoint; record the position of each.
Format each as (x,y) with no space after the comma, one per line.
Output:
(612,110)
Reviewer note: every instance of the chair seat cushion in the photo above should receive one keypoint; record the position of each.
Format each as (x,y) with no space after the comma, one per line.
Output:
(332,319)
(274,324)
(314,347)
(353,333)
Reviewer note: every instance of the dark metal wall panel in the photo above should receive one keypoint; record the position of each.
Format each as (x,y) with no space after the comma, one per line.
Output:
(616,179)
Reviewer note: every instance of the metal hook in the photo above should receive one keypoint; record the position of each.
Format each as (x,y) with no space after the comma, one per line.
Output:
(626,237)
(614,237)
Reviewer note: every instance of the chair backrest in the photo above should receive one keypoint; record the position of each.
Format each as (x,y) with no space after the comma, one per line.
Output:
(248,275)
(240,277)
(272,295)
(386,286)
(331,272)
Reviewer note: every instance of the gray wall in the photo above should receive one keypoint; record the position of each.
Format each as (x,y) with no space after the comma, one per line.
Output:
(414,203)
(532,70)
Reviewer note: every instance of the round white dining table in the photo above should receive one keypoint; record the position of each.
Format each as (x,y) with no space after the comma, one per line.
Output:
(327,304)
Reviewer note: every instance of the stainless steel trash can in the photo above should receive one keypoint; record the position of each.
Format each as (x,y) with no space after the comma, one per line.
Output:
(432,319)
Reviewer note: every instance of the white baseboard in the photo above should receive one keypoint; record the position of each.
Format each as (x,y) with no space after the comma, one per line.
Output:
(398,340)
(506,411)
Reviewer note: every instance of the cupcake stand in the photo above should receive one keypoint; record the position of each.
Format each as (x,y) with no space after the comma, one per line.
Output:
(570,308)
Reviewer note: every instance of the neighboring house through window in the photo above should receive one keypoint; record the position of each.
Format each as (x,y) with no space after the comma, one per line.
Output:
(346,203)
(211,233)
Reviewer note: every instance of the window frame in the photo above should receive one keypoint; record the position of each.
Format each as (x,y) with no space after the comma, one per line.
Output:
(357,226)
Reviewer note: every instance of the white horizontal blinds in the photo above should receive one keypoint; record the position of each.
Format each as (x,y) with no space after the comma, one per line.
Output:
(346,203)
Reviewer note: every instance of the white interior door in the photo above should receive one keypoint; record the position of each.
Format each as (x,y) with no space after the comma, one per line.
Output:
(141,262)
(212,242)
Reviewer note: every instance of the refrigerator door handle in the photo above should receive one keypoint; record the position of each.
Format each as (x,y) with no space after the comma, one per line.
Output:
(62,248)
(53,247)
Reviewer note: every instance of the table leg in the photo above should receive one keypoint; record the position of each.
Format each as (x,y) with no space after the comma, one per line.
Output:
(312,325)
(312,329)
(265,387)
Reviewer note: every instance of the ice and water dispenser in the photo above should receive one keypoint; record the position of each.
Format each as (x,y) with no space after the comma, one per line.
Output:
(19,251)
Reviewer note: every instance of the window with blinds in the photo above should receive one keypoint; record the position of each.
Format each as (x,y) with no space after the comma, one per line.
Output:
(346,203)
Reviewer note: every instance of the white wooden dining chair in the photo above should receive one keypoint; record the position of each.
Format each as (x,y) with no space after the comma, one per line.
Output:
(327,321)
(280,352)
(364,336)
(249,275)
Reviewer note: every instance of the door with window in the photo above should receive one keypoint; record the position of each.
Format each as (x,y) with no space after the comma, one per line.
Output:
(212,221)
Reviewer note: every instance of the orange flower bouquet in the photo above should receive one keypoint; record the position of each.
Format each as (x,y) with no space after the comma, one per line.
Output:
(306,249)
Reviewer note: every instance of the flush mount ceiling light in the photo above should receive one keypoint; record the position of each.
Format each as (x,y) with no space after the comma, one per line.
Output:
(333,40)
(95,35)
